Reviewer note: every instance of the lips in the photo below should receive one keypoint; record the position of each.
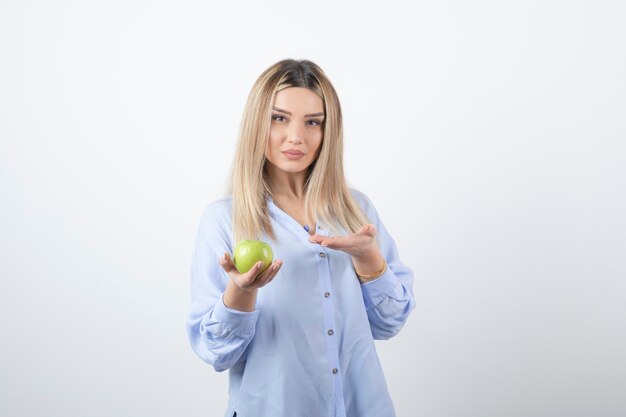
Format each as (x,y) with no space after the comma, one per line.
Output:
(293,154)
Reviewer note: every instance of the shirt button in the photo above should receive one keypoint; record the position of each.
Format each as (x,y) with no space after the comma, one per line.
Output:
(335,370)
(330,332)
(326,294)
(322,255)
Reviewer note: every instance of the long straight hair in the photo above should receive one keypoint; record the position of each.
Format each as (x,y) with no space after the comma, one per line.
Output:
(326,194)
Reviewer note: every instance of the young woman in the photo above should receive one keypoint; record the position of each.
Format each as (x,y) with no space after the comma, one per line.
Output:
(298,339)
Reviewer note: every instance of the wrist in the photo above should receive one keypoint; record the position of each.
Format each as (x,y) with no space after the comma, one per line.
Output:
(373,276)
(369,267)
(368,256)
(238,298)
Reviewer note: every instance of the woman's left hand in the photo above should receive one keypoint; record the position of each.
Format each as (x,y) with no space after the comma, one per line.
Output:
(360,244)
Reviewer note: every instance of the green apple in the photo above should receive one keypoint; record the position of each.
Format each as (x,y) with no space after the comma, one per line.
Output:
(249,252)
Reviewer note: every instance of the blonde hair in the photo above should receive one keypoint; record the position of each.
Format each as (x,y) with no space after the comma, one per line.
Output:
(327,197)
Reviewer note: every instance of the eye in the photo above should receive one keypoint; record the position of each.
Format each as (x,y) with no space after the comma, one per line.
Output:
(278,117)
(314,122)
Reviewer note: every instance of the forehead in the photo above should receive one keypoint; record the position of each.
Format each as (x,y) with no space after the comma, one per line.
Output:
(298,100)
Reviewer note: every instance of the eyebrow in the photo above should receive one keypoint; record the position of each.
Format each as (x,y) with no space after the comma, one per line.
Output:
(306,115)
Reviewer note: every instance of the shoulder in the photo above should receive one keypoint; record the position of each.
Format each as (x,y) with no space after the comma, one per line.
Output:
(364,202)
(359,196)
(220,208)
(217,216)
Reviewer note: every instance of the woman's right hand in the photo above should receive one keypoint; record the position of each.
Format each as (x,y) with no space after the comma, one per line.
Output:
(251,280)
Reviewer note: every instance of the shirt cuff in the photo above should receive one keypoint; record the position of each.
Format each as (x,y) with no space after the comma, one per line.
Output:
(387,285)
(241,323)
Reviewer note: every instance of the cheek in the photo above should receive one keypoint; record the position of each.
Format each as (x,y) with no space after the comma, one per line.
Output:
(273,143)
(317,141)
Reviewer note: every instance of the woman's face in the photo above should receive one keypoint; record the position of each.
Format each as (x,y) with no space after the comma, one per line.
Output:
(296,130)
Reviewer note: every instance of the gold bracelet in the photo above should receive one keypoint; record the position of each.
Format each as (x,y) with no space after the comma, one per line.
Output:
(375,274)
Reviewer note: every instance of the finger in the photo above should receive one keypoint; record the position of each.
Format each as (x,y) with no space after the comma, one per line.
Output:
(368,229)
(227,264)
(254,272)
(334,242)
(247,279)
(272,276)
(319,239)
(269,274)
(316,238)
(270,269)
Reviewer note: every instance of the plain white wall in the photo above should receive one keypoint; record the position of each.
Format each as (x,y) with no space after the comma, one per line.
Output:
(490,136)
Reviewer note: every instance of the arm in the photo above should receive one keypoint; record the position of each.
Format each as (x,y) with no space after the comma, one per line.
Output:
(218,335)
(389,298)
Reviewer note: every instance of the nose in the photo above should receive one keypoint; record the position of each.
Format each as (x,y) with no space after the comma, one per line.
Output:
(296,133)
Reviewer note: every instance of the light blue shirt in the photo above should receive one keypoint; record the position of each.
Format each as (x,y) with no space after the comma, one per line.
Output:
(307,350)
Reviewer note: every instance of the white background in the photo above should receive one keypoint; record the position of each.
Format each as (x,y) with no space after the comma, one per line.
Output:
(489,135)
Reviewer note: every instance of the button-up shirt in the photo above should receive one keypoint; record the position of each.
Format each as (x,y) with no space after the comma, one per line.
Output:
(307,349)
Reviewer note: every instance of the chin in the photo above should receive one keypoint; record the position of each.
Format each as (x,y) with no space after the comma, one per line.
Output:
(292,167)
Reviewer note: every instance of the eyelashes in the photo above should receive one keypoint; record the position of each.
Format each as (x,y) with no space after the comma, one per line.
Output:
(281,119)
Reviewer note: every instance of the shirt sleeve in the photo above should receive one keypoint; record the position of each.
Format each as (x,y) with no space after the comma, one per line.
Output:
(218,335)
(389,298)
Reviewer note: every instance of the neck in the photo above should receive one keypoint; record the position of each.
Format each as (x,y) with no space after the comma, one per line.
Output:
(286,184)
